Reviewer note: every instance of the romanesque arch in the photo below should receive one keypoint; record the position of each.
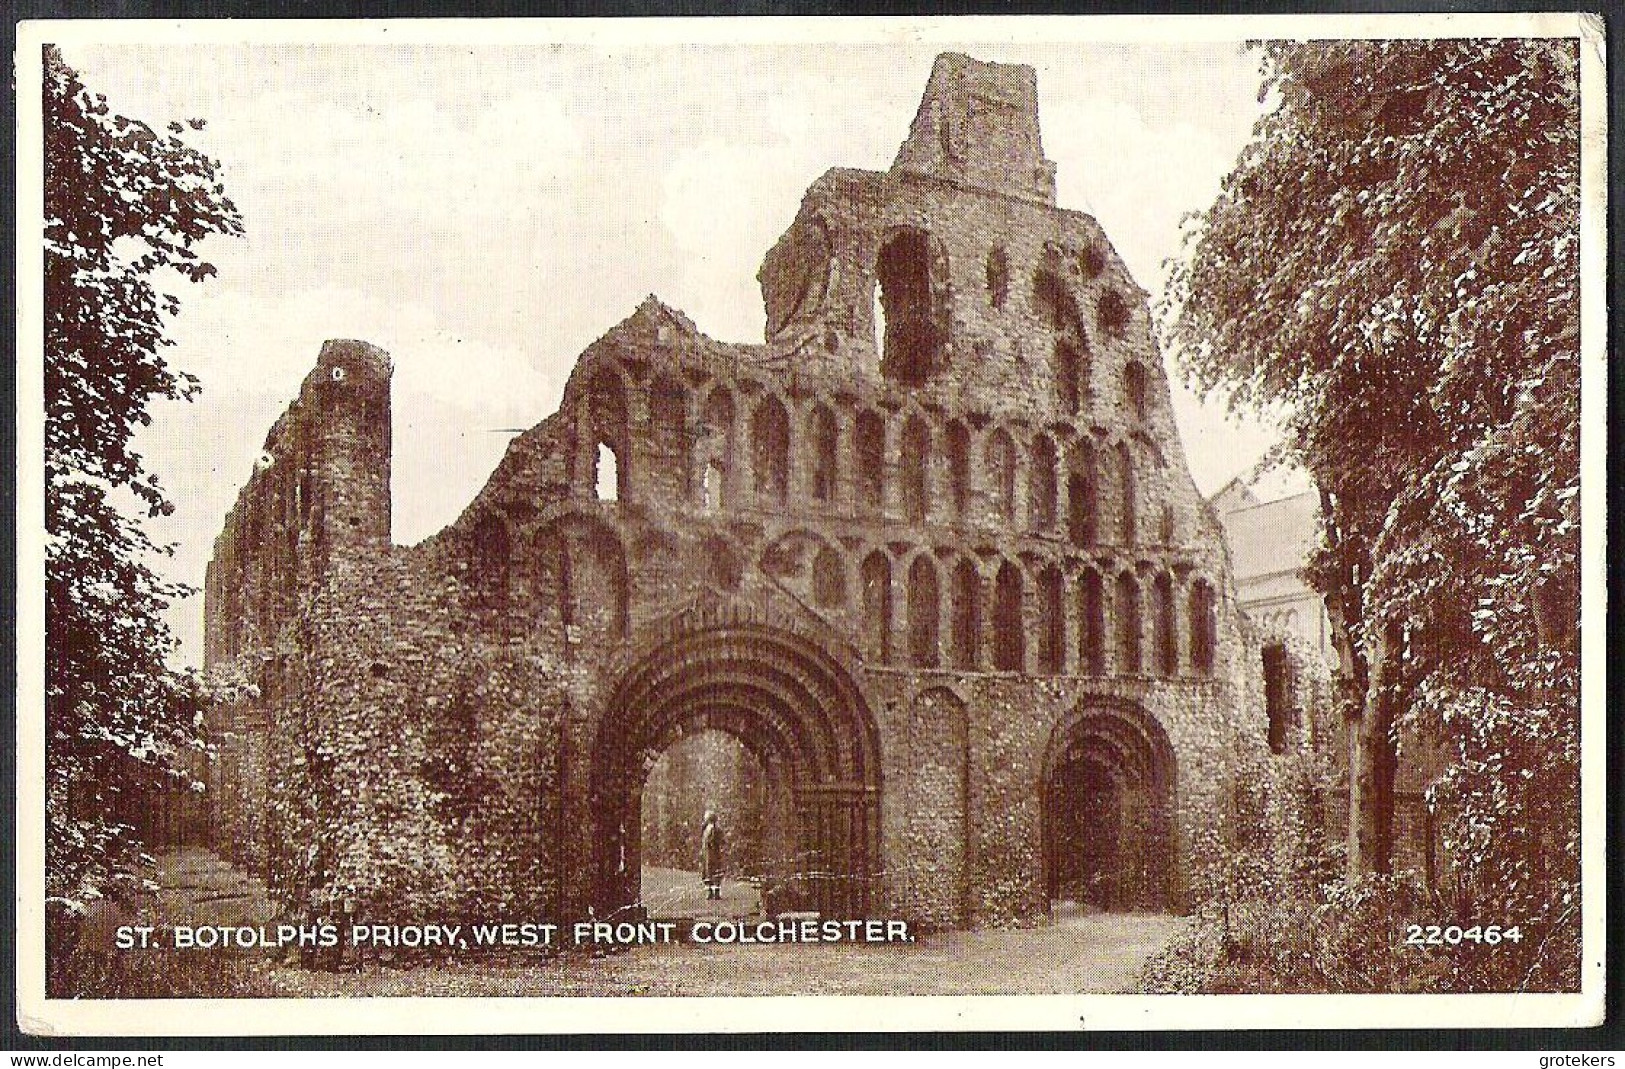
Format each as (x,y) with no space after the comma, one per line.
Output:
(1129,629)
(825,437)
(924,612)
(1009,625)
(1164,632)
(582,579)
(911,273)
(668,443)
(1041,492)
(1091,623)
(1001,473)
(717,450)
(1052,621)
(869,444)
(795,708)
(1204,639)
(965,614)
(608,451)
(1108,787)
(957,450)
(875,576)
(1082,495)
(770,452)
(1128,494)
(914,467)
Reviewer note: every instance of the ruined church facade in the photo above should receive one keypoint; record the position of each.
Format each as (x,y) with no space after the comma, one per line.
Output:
(931,553)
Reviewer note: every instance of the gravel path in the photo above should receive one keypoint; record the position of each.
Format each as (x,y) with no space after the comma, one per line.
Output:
(1077,952)
(1100,953)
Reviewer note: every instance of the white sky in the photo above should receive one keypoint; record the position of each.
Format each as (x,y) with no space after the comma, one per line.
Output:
(484,212)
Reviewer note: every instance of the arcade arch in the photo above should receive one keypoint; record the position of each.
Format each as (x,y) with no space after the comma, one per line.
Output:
(799,714)
(1108,796)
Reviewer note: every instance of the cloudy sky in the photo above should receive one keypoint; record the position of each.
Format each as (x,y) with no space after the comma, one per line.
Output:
(484,210)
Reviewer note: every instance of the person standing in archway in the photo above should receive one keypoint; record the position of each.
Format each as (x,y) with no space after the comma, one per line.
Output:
(711,856)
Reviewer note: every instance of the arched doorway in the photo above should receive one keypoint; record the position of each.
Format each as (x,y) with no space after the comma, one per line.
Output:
(798,712)
(1108,790)
(703,771)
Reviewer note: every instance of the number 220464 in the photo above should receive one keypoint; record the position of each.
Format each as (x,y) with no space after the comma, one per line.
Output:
(1433,935)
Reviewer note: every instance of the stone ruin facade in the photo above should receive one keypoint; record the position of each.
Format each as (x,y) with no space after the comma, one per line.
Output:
(931,553)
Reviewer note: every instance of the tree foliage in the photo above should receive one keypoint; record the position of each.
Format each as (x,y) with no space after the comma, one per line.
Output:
(125,207)
(1394,260)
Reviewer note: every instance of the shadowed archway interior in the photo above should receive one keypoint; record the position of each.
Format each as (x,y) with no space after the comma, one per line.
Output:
(1108,792)
(797,711)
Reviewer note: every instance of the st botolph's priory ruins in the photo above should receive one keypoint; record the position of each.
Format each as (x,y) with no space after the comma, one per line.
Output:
(931,553)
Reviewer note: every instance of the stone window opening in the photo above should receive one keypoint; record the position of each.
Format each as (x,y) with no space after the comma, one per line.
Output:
(916,466)
(871,450)
(1081,495)
(1135,388)
(668,417)
(1164,638)
(998,277)
(1202,627)
(607,473)
(877,607)
(1009,636)
(1071,373)
(1052,302)
(1092,261)
(1052,636)
(1275,696)
(967,614)
(1129,662)
(606,418)
(1112,314)
(717,432)
(1001,462)
(1092,624)
(1041,481)
(1059,310)
(1127,504)
(958,450)
(770,452)
(905,316)
(923,613)
(824,441)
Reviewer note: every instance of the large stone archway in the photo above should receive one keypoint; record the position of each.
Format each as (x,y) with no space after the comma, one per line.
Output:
(1108,800)
(795,708)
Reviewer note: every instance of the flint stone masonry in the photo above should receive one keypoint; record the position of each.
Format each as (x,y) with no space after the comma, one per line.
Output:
(931,552)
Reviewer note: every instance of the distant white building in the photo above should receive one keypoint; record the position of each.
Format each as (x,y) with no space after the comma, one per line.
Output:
(1270,541)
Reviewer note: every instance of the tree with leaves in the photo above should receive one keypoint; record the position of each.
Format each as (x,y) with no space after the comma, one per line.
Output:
(1394,262)
(125,207)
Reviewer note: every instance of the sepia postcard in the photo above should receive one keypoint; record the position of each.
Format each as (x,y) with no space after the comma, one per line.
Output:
(810,524)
